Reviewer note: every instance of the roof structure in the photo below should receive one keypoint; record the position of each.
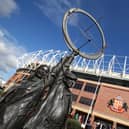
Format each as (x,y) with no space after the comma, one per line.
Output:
(107,65)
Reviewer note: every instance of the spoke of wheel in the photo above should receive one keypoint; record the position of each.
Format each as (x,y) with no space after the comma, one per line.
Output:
(92,25)
(87,38)
(83,33)
(84,44)
(94,42)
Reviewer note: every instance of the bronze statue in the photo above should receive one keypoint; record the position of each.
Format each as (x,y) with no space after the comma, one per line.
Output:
(50,108)
(18,102)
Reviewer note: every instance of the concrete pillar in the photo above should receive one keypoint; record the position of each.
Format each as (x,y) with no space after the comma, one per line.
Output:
(73,112)
(92,119)
(92,122)
(114,126)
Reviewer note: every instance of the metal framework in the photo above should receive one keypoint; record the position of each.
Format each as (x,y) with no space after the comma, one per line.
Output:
(112,66)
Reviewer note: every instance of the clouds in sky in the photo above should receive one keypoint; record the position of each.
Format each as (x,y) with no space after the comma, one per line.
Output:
(7,7)
(9,51)
(55,9)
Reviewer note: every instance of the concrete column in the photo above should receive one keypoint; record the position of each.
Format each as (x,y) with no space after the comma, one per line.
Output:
(114,126)
(92,119)
(73,112)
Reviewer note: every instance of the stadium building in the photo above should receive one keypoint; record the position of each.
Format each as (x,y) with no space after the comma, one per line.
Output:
(100,96)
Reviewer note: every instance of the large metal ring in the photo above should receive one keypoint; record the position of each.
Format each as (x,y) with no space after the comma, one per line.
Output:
(71,45)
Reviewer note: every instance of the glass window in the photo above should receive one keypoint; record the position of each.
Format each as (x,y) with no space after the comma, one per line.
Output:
(74,97)
(78,85)
(90,88)
(122,127)
(85,101)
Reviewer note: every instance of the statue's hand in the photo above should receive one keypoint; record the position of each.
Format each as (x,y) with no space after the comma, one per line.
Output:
(69,78)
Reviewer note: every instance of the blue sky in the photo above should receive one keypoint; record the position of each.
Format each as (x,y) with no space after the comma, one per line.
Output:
(30,25)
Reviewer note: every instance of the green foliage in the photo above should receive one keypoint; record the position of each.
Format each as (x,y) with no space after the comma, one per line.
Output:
(73,124)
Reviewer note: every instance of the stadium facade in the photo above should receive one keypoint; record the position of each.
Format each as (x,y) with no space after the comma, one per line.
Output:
(100,96)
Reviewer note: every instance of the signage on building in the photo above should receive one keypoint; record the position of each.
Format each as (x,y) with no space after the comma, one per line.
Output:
(117,104)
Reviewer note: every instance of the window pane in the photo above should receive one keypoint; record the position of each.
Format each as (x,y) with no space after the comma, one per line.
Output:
(78,85)
(85,101)
(90,88)
(74,97)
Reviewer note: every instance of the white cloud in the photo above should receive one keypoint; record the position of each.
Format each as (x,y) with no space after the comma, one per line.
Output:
(9,51)
(7,7)
(55,9)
